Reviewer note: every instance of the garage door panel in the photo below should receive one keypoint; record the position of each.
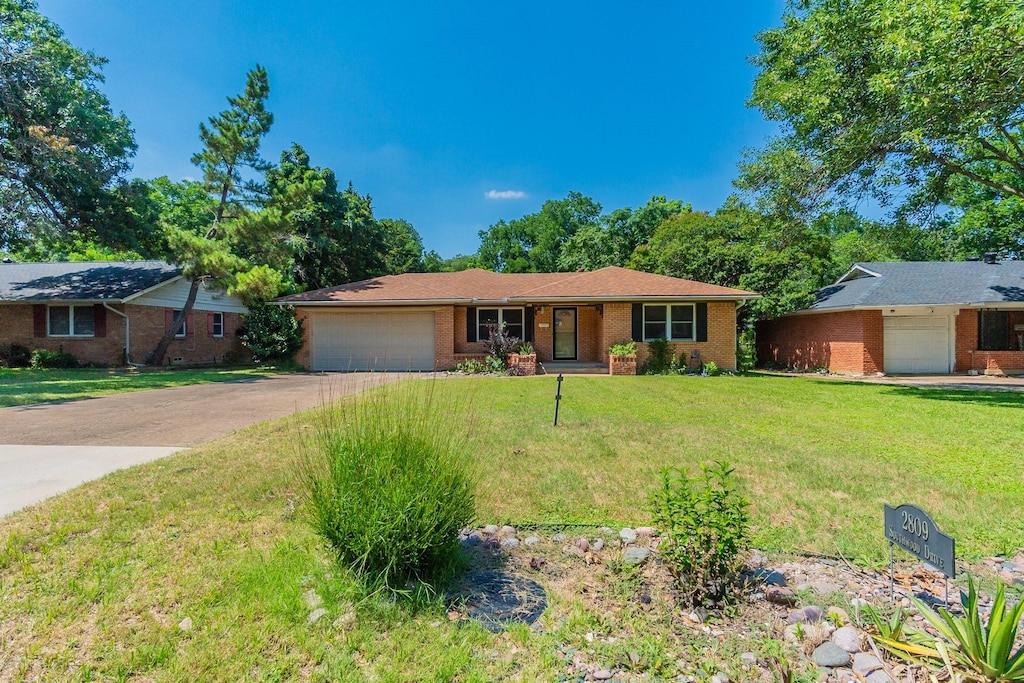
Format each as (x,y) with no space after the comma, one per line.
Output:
(916,344)
(373,341)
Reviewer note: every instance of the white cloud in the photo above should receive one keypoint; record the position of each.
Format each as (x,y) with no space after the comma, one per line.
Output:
(504,194)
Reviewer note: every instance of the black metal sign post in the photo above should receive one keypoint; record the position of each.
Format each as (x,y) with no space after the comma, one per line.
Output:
(913,529)
(558,397)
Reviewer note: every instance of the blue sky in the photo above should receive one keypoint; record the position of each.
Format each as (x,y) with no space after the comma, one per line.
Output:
(429,107)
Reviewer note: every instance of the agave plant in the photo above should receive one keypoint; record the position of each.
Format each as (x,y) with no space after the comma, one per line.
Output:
(983,652)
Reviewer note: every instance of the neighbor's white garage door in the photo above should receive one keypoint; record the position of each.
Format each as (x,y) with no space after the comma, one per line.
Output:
(373,341)
(918,343)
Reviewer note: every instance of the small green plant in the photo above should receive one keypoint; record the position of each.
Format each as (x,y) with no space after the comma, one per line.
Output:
(272,333)
(44,358)
(526,349)
(624,348)
(983,652)
(471,366)
(891,628)
(711,369)
(707,525)
(388,485)
(495,364)
(14,356)
(657,357)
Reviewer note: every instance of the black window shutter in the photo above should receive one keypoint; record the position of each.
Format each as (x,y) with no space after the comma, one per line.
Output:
(638,322)
(471,324)
(528,324)
(702,322)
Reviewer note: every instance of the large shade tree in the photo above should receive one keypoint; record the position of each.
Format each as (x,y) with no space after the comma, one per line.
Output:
(63,151)
(911,101)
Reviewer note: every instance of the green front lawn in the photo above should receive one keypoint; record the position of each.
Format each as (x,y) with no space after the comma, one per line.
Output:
(20,387)
(94,583)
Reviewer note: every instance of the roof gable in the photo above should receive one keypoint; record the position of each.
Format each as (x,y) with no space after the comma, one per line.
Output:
(85,281)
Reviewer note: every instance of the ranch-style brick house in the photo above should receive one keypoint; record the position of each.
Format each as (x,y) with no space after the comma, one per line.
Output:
(113,312)
(427,321)
(910,317)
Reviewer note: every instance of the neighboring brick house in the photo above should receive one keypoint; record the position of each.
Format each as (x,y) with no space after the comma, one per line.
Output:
(906,318)
(113,312)
(426,321)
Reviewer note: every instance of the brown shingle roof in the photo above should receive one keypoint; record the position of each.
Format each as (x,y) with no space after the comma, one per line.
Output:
(477,285)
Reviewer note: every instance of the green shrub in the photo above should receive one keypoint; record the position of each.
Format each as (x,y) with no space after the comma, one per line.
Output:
(657,357)
(707,526)
(526,349)
(44,358)
(499,344)
(272,333)
(711,369)
(624,348)
(388,484)
(471,367)
(14,356)
(746,356)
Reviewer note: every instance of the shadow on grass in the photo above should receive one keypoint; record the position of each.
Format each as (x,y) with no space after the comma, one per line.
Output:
(976,395)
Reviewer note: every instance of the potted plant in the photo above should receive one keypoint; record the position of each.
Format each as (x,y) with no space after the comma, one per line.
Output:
(622,358)
(524,360)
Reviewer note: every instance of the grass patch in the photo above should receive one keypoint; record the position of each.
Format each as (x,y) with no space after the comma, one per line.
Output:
(94,583)
(26,386)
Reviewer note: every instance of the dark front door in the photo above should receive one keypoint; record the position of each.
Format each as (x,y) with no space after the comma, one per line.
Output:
(565,333)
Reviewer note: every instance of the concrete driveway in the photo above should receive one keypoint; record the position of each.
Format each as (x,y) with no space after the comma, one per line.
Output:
(53,447)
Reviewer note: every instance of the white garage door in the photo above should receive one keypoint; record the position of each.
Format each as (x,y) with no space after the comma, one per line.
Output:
(373,341)
(918,343)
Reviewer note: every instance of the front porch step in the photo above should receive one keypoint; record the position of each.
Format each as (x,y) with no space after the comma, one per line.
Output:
(566,367)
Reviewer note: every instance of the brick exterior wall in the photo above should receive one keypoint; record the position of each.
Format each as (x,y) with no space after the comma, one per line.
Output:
(968,357)
(148,324)
(844,342)
(719,348)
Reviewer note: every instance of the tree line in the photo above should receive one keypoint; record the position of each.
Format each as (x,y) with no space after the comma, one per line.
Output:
(910,107)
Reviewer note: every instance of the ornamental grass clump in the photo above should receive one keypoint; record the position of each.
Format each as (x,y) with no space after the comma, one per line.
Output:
(389,485)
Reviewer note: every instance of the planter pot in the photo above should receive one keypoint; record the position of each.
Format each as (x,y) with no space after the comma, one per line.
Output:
(527,365)
(622,365)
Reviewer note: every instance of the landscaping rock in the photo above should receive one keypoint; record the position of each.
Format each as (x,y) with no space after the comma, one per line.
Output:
(315,616)
(769,577)
(811,614)
(644,531)
(507,531)
(532,540)
(602,675)
(583,544)
(598,544)
(780,596)
(606,530)
(864,663)
(847,638)
(509,543)
(838,615)
(720,677)
(490,529)
(831,656)
(635,556)
(627,535)
(879,677)
(559,538)
(185,624)
(748,659)
(312,599)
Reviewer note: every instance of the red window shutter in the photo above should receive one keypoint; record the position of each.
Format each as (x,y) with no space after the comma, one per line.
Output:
(209,323)
(168,318)
(39,320)
(99,317)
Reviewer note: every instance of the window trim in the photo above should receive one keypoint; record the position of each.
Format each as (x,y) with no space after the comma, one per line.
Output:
(183,332)
(71,322)
(668,322)
(217,314)
(501,317)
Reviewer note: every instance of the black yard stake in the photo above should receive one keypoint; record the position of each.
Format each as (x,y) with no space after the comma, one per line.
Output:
(558,397)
